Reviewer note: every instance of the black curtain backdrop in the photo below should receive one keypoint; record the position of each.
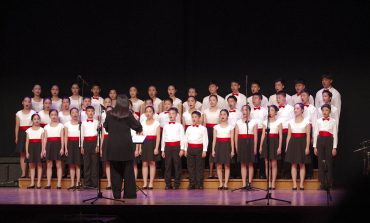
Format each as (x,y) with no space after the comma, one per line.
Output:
(189,43)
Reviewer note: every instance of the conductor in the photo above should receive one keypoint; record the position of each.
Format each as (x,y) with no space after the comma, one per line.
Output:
(120,151)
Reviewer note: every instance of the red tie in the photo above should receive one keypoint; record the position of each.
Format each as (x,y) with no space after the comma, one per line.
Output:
(281,106)
(195,125)
(327,119)
(84,109)
(232,110)
(90,120)
(171,122)
(257,108)
(307,105)
(96,98)
(235,94)
(166,112)
(298,94)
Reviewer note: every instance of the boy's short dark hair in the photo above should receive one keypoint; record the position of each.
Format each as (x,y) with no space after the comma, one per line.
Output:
(196,113)
(232,97)
(282,93)
(173,109)
(257,94)
(90,107)
(327,92)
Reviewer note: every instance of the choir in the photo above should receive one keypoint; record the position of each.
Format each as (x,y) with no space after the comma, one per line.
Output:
(219,131)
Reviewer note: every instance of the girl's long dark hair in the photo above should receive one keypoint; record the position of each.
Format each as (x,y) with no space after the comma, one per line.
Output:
(121,110)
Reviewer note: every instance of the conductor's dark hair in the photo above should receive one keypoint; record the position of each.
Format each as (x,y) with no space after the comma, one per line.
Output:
(256,82)
(214,96)
(327,76)
(326,106)
(96,84)
(53,110)
(281,80)
(121,110)
(225,110)
(274,107)
(301,105)
(36,114)
(282,93)
(327,92)
(168,99)
(258,95)
(90,108)
(74,108)
(299,81)
(232,97)
(173,109)
(196,113)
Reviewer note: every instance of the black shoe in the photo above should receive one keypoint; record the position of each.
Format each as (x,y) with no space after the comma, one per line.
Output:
(129,197)
(150,188)
(243,188)
(301,188)
(108,188)
(176,187)
(225,188)
(59,188)
(249,186)
(262,177)
(23,177)
(38,188)
(168,188)
(220,188)
(71,188)
(272,188)
(294,188)
(210,177)
(31,187)
(47,187)
(191,187)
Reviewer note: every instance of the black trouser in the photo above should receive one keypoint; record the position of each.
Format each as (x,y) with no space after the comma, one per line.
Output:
(311,166)
(90,159)
(324,150)
(172,160)
(284,168)
(195,166)
(260,161)
(120,170)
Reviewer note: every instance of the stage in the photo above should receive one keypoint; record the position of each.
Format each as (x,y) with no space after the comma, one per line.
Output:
(182,205)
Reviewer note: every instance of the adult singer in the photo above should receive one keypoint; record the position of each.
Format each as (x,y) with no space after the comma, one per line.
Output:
(120,151)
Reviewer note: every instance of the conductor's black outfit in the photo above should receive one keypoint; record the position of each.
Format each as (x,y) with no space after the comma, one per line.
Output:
(120,153)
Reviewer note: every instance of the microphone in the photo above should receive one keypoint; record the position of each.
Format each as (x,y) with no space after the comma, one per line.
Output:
(83,80)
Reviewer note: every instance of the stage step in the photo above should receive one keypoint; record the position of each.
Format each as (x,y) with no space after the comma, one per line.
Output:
(208,183)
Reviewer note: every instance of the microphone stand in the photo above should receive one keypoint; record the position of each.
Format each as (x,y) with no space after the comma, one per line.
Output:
(99,194)
(268,196)
(327,184)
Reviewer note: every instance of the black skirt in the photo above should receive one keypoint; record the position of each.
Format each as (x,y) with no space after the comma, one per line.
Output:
(21,145)
(246,150)
(53,150)
(296,151)
(34,150)
(274,145)
(104,157)
(223,152)
(210,141)
(147,151)
(74,153)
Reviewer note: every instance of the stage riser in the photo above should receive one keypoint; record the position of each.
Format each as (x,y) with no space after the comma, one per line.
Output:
(208,184)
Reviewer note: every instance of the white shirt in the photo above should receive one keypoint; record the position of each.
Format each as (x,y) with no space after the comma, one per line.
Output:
(274,126)
(223,132)
(103,117)
(156,104)
(241,99)
(89,128)
(335,100)
(221,103)
(196,135)
(150,130)
(83,115)
(143,117)
(97,103)
(260,115)
(34,134)
(242,126)
(164,118)
(326,126)
(310,114)
(54,131)
(298,127)
(37,106)
(44,117)
(176,103)
(264,102)
(273,100)
(333,114)
(212,117)
(285,115)
(64,118)
(234,116)
(57,105)
(198,106)
(298,99)
(73,130)
(173,133)
(136,105)
(75,103)
(25,119)
(187,117)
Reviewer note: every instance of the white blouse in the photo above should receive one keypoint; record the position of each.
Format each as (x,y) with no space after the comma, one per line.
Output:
(64,118)
(274,126)
(212,117)
(75,103)
(54,131)
(298,127)
(57,105)
(150,130)
(37,106)
(187,117)
(35,134)
(25,119)
(45,118)
(73,130)
(223,132)
(242,126)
